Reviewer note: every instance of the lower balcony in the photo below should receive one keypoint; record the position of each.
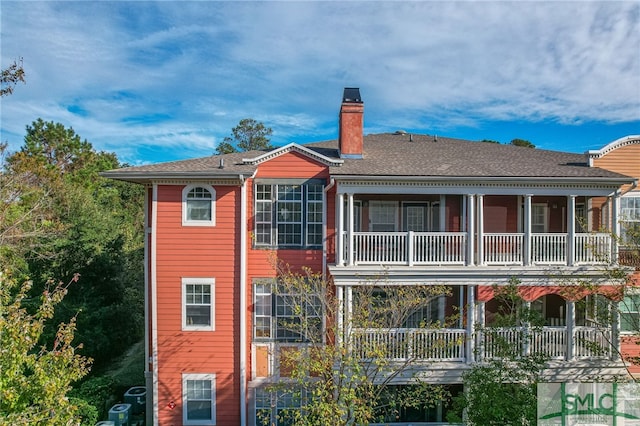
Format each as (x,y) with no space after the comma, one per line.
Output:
(451,345)
(452,248)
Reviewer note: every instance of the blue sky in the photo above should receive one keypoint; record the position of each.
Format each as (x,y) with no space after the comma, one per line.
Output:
(167,80)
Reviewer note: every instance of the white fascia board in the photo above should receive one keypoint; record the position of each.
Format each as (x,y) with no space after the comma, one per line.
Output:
(293,147)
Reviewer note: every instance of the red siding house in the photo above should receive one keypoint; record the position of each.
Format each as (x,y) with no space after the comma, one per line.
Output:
(426,210)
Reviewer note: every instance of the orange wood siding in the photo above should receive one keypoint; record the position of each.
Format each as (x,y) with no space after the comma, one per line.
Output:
(202,252)
(624,160)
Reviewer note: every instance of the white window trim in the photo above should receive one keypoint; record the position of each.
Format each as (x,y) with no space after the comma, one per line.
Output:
(188,222)
(206,281)
(198,376)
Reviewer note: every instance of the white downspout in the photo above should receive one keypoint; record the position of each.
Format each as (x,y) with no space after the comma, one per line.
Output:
(148,376)
(154,301)
(243,300)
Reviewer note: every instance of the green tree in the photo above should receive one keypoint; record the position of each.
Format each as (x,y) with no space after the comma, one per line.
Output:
(502,390)
(522,142)
(489,141)
(34,378)
(342,376)
(11,76)
(98,224)
(248,135)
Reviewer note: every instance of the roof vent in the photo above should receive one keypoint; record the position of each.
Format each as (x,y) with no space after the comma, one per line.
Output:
(351,95)
(400,132)
(221,166)
(435,138)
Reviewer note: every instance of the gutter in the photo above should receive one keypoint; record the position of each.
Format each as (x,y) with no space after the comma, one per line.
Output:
(488,179)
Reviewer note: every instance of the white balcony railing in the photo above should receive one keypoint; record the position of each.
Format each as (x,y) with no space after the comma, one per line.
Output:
(451,248)
(405,344)
(588,342)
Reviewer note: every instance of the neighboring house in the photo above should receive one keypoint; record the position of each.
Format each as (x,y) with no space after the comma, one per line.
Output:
(422,209)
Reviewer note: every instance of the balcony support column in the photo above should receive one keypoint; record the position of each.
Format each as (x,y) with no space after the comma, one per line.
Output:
(571,321)
(526,242)
(480,198)
(615,226)
(480,312)
(471,231)
(615,331)
(340,333)
(471,323)
(526,329)
(340,234)
(571,229)
(350,213)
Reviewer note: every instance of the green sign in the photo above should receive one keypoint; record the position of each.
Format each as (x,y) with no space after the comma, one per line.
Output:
(598,404)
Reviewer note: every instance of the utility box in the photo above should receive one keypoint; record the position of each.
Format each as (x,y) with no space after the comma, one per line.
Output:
(120,414)
(137,397)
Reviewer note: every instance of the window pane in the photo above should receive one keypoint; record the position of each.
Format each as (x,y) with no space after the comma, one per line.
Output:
(198,304)
(199,410)
(198,210)
(198,315)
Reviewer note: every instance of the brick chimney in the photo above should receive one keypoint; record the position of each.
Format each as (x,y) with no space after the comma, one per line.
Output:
(351,124)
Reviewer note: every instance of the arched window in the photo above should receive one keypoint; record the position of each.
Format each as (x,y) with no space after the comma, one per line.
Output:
(198,205)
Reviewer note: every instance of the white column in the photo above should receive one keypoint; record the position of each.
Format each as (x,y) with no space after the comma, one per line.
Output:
(526,349)
(471,230)
(340,234)
(571,321)
(348,317)
(526,243)
(615,225)
(480,312)
(471,323)
(480,214)
(615,331)
(571,230)
(350,230)
(340,328)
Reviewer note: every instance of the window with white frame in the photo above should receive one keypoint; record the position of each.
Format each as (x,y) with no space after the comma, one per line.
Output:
(289,214)
(630,220)
(278,407)
(383,216)
(198,297)
(629,309)
(199,399)
(198,205)
(285,317)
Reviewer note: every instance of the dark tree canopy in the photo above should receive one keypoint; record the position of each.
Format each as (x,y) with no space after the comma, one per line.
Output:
(522,142)
(248,135)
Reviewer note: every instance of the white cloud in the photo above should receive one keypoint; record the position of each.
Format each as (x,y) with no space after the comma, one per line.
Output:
(173,73)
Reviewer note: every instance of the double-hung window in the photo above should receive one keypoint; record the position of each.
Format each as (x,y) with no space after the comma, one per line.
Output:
(629,309)
(198,295)
(630,220)
(198,205)
(289,214)
(285,317)
(199,399)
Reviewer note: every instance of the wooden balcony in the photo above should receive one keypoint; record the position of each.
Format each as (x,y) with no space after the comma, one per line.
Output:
(448,345)
(452,248)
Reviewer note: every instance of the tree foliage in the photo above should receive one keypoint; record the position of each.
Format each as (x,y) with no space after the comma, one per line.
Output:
(11,76)
(248,135)
(502,390)
(35,377)
(341,376)
(522,142)
(64,218)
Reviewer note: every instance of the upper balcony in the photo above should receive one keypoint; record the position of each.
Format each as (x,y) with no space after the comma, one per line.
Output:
(476,230)
(450,248)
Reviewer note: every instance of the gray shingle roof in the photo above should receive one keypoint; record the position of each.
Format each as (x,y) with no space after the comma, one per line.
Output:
(399,155)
